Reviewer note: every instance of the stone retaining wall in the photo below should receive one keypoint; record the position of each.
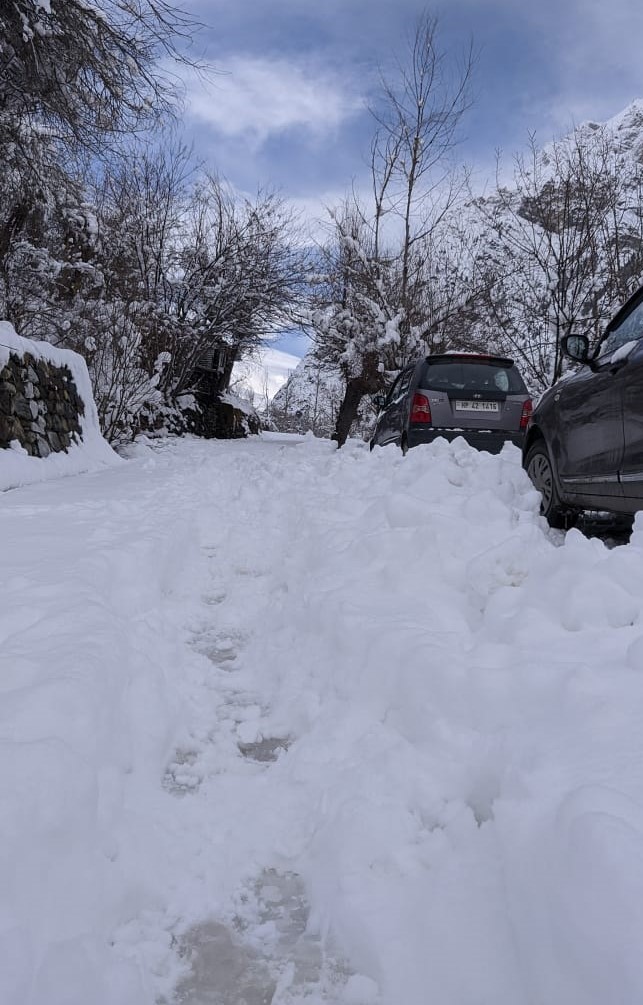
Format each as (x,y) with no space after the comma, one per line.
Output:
(39,405)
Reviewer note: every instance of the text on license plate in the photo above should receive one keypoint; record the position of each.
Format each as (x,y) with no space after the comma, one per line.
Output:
(477,406)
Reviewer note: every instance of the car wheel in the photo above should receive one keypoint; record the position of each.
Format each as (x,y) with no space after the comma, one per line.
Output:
(540,469)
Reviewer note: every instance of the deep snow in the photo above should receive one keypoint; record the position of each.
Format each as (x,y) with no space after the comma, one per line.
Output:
(281,723)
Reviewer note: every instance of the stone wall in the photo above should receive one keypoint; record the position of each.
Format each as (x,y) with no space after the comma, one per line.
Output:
(221,415)
(39,405)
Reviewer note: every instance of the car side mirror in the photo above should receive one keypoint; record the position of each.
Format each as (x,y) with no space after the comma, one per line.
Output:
(575,347)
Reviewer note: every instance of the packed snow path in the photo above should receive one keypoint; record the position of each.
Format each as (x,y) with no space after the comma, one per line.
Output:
(281,724)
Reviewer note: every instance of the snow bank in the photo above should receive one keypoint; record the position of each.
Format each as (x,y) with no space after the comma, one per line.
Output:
(16,466)
(379,684)
(91,568)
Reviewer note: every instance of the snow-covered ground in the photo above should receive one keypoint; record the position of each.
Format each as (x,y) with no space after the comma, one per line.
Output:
(285,724)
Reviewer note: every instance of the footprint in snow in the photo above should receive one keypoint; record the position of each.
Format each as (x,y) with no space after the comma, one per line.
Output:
(267,954)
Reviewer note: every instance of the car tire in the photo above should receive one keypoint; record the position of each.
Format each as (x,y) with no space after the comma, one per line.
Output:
(540,468)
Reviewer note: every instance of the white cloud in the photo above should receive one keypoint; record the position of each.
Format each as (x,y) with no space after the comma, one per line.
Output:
(257,98)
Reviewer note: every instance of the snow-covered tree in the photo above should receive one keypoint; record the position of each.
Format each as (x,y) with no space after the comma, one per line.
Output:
(563,247)
(371,303)
(74,78)
(239,276)
(80,71)
(201,275)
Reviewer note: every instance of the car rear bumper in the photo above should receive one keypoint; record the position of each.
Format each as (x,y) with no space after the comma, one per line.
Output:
(492,441)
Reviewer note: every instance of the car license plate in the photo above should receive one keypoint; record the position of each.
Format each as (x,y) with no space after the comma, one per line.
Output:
(477,406)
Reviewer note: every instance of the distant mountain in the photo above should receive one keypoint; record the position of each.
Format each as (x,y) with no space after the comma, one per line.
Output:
(626,129)
(310,400)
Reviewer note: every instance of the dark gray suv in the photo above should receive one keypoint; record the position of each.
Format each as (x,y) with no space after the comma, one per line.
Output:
(584,445)
(482,398)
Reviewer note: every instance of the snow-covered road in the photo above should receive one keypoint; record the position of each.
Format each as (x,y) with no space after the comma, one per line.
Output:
(285,724)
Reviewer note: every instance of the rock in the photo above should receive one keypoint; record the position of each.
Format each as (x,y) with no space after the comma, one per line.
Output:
(43,447)
(6,430)
(22,409)
(6,402)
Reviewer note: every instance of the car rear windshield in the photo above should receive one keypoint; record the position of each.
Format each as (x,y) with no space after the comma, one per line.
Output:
(472,375)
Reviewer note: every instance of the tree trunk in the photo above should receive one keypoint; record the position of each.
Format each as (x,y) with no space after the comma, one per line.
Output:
(355,391)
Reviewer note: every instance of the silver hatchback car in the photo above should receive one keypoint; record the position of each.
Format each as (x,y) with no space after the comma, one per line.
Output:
(482,398)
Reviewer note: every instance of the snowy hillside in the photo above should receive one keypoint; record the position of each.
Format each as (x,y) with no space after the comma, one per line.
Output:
(626,129)
(378,743)
(310,400)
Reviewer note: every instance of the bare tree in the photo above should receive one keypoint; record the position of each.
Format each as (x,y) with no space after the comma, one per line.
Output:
(371,309)
(198,272)
(84,72)
(240,275)
(417,120)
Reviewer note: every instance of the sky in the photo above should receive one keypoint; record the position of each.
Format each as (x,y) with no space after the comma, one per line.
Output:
(287,104)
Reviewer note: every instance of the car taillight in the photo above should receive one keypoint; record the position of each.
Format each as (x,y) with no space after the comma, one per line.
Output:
(420,410)
(527,411)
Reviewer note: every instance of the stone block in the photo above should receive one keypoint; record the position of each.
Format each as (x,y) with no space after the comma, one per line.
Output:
(6,429)
(42,446)
(21,408)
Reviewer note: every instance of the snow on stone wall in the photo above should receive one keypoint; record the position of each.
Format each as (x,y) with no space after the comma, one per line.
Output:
(48,420)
